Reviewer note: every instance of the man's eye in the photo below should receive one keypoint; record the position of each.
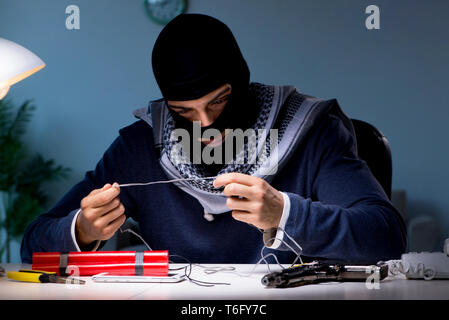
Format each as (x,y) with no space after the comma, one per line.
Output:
(180,110)
(220,101)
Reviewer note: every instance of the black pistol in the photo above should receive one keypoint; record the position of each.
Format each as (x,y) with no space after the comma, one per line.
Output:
(316,272)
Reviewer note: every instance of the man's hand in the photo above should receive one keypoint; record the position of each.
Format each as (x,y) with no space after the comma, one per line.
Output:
(260,204)
(101,215)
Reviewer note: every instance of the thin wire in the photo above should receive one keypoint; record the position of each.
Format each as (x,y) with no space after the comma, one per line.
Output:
(298,254)
(212,270)
(163,181)
(137,235)
(195,281)
(189,266)
(263,257)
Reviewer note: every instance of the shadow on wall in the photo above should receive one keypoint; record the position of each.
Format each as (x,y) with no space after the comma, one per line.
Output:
(424,231)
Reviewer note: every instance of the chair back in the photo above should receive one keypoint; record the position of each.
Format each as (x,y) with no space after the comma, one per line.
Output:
(374,148)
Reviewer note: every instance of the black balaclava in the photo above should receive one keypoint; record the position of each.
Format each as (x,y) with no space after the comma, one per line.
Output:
(194,55)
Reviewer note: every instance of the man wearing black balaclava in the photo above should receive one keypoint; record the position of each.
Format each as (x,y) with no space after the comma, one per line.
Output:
(196,55)
(307,185)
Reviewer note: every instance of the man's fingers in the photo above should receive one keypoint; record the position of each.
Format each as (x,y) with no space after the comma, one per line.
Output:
(100,198)
(107,218)
(96,191)
(242,216)
(239,204)
(249,218)
(235,177)
(240,190)
(103,210)
(112,227)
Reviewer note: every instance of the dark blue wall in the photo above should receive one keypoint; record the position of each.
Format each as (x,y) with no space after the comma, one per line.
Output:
(396,77)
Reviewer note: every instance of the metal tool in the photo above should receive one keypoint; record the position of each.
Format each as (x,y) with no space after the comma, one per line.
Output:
(41,277)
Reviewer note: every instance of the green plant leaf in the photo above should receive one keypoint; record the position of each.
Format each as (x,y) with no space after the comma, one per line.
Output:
(6,116)
(23,116)
(36,172)
(22,176)
(24,209)
(12,153)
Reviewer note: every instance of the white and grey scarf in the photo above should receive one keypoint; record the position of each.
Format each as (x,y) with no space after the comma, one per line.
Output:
(281,108)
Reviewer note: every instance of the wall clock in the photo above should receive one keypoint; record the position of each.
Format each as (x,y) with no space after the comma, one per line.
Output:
(163,11)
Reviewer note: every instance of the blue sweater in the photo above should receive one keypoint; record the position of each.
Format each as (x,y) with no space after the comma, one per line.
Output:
(338,209)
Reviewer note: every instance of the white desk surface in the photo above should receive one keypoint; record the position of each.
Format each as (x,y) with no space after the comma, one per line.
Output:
(240,288)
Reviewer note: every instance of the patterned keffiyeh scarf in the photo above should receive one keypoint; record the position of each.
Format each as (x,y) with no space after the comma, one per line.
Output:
(285,116)
(242,161)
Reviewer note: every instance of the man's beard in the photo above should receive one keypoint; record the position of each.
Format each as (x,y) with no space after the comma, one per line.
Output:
(210,157)
(234,116)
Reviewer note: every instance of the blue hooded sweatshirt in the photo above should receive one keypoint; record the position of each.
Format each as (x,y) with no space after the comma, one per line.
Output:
(338,210)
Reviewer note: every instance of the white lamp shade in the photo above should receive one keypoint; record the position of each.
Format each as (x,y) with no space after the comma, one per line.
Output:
(16,63)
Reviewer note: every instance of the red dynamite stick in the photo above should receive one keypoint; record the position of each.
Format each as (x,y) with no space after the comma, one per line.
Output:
(127,269)
(155,263)
(102,256)
(99,257)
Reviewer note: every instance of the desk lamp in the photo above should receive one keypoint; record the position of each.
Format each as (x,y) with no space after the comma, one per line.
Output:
(16,64)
